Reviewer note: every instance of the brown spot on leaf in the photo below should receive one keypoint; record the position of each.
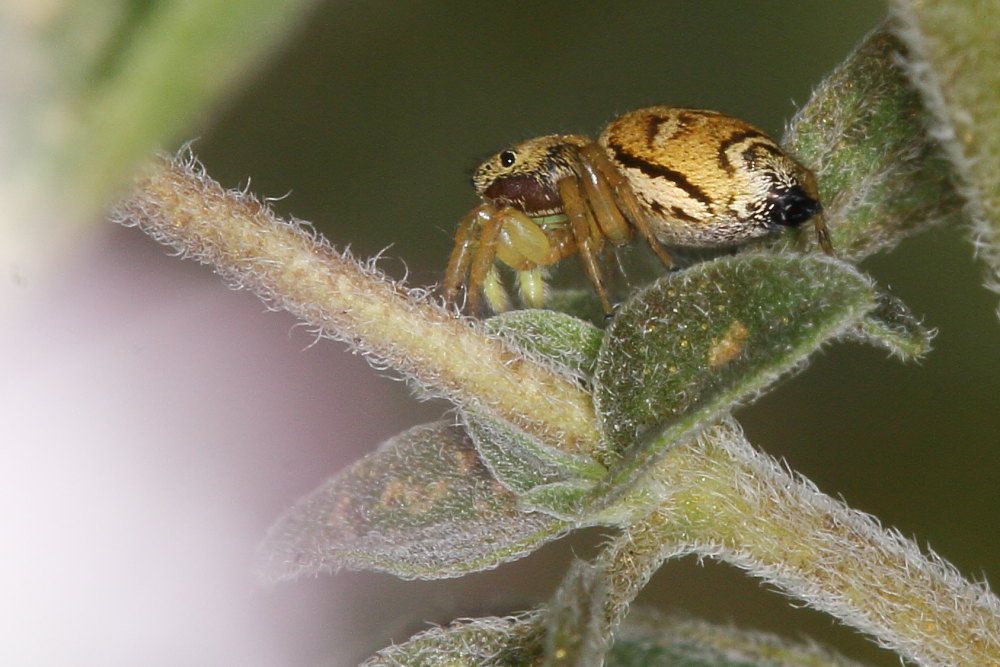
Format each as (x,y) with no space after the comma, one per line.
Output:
(499,490)
(393,495)
(343,514)
(466,461)
(729,346)
(418,498)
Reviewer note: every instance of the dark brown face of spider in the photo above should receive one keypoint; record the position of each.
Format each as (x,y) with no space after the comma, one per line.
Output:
(534,196)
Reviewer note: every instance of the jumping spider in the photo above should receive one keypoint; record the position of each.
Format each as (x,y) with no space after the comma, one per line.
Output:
(682,177)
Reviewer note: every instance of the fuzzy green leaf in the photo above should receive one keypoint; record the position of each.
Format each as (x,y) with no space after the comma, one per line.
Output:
(564,341)
(543,477)
(486,642)
(864,134)
(648,639)
(891,325)
(421,506)
(689,347)
(954,61)
(578,302)
(560,499)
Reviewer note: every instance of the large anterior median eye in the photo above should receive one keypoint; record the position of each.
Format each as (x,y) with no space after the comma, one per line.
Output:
(507,158)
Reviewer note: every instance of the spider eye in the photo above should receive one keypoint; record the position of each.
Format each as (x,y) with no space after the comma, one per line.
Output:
(507,158)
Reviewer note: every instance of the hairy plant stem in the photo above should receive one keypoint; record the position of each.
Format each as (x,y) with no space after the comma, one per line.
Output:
(718,497)
(291,268)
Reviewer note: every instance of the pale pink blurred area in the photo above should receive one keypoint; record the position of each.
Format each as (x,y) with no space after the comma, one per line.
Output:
(154,424)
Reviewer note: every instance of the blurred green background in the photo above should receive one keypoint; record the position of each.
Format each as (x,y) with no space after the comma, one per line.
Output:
(371,119)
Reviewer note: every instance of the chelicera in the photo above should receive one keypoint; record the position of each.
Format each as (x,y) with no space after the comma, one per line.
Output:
(674,176)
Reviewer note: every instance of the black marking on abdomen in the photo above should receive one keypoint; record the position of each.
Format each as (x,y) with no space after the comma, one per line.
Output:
(659,171)
(680,214)
(736,138)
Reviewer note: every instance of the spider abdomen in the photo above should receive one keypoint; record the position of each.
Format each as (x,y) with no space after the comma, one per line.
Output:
(708,179)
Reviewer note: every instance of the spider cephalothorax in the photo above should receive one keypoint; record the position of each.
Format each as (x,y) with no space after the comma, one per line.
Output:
(525,176)
(678,176)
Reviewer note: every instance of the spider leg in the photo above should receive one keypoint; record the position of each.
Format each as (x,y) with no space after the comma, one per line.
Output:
(585,232)
(523,246)
(482,274)
(531,286)
(493,290)
(823,234)
(819,220)
(466,239)
(626,198)
(601,199)
(522,241)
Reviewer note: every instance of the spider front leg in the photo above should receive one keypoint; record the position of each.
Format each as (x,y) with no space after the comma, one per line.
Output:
(484,237)
(461,254)
(471,261)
